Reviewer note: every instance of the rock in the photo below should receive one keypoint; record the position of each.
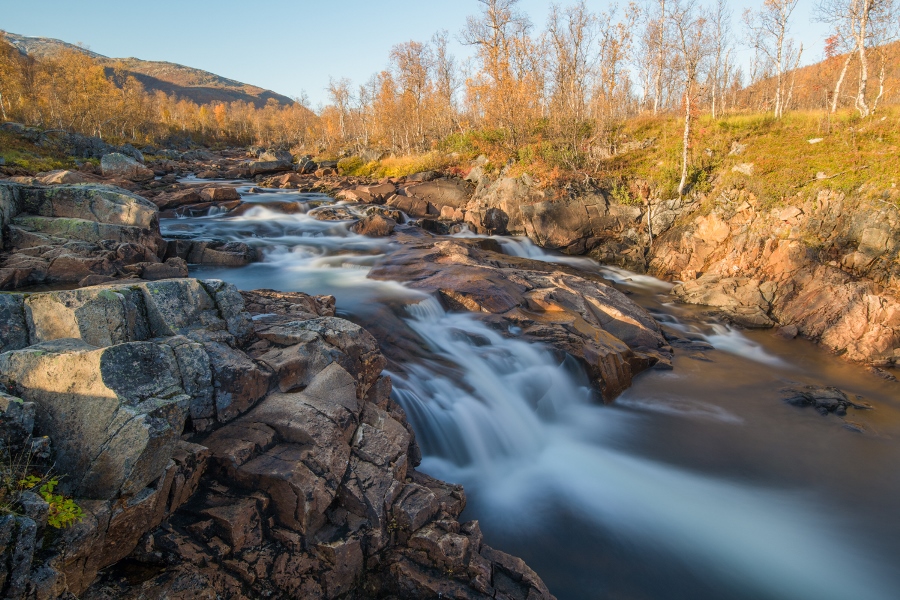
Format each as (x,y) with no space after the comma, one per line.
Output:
(13,328)
(178,198)
(310,490)
(743,168)
(381,191)
(616,340)
(261,167)
(286,181)
(356,195)
(332,213)
(122,407)
(306,167)
(737,148)
(789,213)
(495,221)
(442,192)
(219,194)
(414,207)
(131,151)
(375,226)
(824,399)
(64,177)
(67,233)
(196,155)
(745,301)
(121,166)
(282,156)
(788,332)
(212,252)
(423,176)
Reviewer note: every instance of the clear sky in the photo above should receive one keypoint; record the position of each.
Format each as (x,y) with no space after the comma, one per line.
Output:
(288,46)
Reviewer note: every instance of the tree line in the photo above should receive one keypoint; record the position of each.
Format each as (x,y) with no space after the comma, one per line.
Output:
(571,83)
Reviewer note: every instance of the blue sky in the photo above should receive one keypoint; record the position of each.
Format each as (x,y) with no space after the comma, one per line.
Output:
(287,46)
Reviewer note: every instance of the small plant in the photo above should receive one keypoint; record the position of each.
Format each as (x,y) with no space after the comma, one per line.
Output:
(622,194)
(64,512)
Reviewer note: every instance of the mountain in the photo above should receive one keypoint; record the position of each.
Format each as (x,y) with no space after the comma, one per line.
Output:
(185,82)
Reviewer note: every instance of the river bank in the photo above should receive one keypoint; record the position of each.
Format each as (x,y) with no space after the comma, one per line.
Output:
(500,356)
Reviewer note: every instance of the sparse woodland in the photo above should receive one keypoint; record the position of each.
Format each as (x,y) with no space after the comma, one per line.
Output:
(559,94)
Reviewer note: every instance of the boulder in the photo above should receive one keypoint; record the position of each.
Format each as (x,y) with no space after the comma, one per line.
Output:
(414,207)
(306,166)
(282,156)
(442,192)
(742,300)
(177,198)
(212,252)
(118,165)
(219,194)
(375,226)
(423,176)
(122,408)
(262,167)
(65,177)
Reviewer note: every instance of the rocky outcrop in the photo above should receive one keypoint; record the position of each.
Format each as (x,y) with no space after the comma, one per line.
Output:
(569,310)
(124,167)
(74,233)
(228,455)
(825,265)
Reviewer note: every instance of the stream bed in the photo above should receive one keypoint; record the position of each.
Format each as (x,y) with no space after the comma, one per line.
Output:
(696,483)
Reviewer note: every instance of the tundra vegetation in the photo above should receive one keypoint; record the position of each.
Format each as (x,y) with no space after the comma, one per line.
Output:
(654,86)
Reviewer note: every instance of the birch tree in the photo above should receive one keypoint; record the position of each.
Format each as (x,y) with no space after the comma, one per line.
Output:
(690,24)
(769,29)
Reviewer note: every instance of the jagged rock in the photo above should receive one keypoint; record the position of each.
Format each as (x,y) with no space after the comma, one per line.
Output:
(615,338)
(178,198)
(307,487)
(745,301)
(118,165)
(332,213)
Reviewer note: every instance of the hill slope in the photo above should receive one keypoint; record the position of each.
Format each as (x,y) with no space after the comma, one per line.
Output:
(186,82)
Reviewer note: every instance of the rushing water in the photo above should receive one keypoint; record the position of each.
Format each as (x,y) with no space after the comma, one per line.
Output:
(698,483)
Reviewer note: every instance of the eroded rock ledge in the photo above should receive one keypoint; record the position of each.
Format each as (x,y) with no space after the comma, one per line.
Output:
(223,454)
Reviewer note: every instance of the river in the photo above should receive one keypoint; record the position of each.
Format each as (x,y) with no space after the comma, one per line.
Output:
(697,483)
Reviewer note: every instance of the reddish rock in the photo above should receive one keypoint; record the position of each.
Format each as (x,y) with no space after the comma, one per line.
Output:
(219,194)
(375,226)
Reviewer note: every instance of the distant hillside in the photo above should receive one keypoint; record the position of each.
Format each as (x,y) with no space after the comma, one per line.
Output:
(199,86)
(814,84)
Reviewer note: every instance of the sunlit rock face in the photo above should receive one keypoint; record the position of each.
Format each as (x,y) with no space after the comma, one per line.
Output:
(825,265)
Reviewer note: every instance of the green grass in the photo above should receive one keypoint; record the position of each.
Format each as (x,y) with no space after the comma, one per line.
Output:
(396,166)
(17,151)
(855,156)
